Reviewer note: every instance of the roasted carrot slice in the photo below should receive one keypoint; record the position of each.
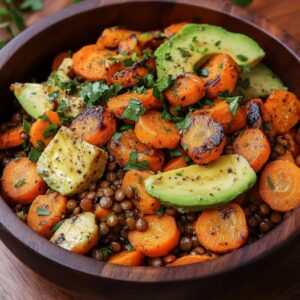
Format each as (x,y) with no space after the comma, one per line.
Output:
(133,74)
(191,259)
(90,62)
(95,125)
(112,68)
(111,37)
(282,111)
(159,239)
(186,90)
(254,146)
(222,230)
(287,156)
(42,130)
(129,45)
(221,113)
(101,212)
(173,29)
(142,200)
(175,163)
(117,104)
(58,60)
(151,129)
(21,182)
(204,138)
(128,143)
(222,75)
(11,138)
(151,39)
(254,109)
(127,258)
(279,185)
(46,211)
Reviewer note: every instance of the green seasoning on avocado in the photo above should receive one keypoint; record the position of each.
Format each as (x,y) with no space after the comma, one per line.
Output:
(69,165)
(259,82)
(206,40)
(197,187)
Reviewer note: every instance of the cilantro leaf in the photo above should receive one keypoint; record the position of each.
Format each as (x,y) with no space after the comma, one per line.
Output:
(174,152)
(270,184)
(242,57)
(56,226)
(149,80)
(116,136)
(129,247)
(53,95)
(134,164)
(133,110)
(161,211)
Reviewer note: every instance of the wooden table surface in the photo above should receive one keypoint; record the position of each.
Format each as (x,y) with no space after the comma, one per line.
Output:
(19,282)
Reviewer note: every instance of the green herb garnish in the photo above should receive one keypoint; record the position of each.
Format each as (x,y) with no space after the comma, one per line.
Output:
(26,126)
(116,136)
(133,110)
(56,226)
(20,182)
(50,130)
(242,57)
(234,103)
(134,164)
(161,211)
(270,184)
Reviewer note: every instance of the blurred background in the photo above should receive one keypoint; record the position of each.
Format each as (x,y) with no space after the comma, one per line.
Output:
(16,15)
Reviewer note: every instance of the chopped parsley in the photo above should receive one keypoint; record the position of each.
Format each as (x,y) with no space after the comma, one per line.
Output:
(56,226)
(267,126)
(174,152)
(183,52)
(61,109)
(20,182)
(184,146)
(33,5)
(116,136)
(242,57)
(149,80)
(139,89)
(50,130)
(129,247)
(106,251)
(270,183)
(133,110)
(161,211)
(217,43)
(99,91)
(26,126)
(234,103)
(53,95)
(43,212)
(35,153)
(168,56)
(203,73)
(208,102)
(184,124)
(133,163)
(244,69)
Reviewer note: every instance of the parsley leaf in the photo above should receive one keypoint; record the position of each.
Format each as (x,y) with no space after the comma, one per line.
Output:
(26,126)
(43,212)
(34,5)
(244,69)
(149,80)
(161,211)
(99,91)
(270,184)
(50,130)
(267,126)
(134,164)
(129,247)
(53,95)
(242,57)
(116,136)
(20,182)
(56,226)
(174,152)
(133,110)
(35,153)
(107,251)
(184,124)
(234,103)
(139,89)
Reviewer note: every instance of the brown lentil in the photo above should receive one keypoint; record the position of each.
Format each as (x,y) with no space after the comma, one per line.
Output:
(171,211)
(108,192)
(111,166)
(76,210)
(169,258)
(86,204)
(71,204)
(126,205)
(129,191)
(198,251)
(275,217)
(103,228)
(116,247)
(105,183)
(264,209)
(131,223)
(112,220)
(195,241)
(117,208)
(97,254)
(280,149)
(111,176)
(156,262)
(141,224)
(264,226)
(106,202)
(185,243)
(120,174)
(119,195)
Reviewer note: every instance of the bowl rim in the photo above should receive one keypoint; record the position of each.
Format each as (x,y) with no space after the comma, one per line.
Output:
(246,255)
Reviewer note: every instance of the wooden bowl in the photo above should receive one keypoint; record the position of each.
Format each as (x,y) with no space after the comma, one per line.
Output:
(30,54)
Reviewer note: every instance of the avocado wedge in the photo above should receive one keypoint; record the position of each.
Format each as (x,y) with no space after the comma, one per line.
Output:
(195,43)
(258,83)
(196,187)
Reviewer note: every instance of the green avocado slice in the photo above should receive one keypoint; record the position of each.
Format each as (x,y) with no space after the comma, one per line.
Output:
(196,187)
(195,43)
(258,83)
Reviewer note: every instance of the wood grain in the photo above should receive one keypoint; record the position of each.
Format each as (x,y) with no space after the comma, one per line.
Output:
(18,282)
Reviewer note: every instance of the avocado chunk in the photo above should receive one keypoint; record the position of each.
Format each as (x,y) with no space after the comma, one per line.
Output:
(258,83)
(196,187)
(33,98)
(69,165)
(195,43)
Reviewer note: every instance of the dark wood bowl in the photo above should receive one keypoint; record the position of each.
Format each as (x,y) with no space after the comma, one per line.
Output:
(30,55)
